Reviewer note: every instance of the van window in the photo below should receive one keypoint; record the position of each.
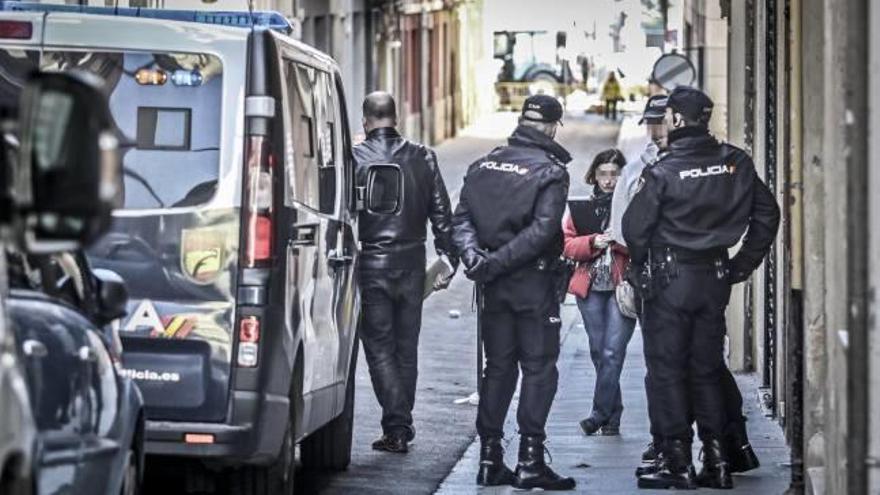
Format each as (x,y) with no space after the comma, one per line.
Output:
(16,66)
(311,165)
(167,108)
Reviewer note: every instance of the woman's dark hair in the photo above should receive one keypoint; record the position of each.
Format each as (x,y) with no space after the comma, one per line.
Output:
(612,155)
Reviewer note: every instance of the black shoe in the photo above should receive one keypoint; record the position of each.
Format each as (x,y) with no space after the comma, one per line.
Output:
(715,472)
(650,454)
(742,458)
(410,434)
(736,444)
(391,443)
(666,479)
(532,472)
(675,469)
(492,470)
(610,431)
(648,468)
(589,426)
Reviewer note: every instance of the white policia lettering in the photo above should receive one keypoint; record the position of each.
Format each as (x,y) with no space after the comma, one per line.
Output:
(510,168)
(696,173)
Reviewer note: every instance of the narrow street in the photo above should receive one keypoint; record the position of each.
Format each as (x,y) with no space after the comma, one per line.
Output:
(445,452)
(447,356)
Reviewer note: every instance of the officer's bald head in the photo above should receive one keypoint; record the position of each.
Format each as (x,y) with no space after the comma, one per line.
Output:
(379,111)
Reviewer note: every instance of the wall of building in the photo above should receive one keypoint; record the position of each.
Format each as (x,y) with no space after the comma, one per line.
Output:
(341,29)
(426,51)
(805,60)
(874,253)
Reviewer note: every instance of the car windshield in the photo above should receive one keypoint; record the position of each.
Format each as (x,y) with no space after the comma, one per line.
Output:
(167,110)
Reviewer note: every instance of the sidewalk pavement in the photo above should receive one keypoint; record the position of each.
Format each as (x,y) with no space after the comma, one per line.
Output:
(607,464)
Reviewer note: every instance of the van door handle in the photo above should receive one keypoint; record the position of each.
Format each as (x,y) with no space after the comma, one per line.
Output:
(87,355)
(34,349)
(304,234)
(338,261)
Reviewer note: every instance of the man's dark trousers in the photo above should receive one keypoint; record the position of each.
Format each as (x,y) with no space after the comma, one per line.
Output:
(733,403)
(521,326)
(684,330)
(390,322)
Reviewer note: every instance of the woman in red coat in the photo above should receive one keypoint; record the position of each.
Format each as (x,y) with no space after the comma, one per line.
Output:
(600,268)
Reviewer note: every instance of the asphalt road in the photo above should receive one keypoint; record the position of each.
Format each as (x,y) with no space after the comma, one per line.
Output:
(447,355)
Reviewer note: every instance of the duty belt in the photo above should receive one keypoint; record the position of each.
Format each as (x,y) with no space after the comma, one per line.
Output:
(689,256)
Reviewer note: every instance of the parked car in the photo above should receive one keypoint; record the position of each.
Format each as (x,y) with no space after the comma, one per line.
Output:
(64,177)
(237,235)
(17,430)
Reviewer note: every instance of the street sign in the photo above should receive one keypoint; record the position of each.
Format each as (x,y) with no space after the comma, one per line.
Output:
(673,70)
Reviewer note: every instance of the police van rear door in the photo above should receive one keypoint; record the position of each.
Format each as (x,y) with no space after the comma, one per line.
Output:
(177,97)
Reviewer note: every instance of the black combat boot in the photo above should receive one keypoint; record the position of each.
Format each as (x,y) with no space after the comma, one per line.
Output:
(650,460)
(676,470)
(715,472)
(532,472)
(650,467)
(650,454)
(740,454)
(492,471)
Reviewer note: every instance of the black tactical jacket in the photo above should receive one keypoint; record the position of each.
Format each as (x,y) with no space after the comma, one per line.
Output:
(398,241)
(702,195)
(512,203)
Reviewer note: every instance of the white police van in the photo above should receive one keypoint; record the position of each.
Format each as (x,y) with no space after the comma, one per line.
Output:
(237,236)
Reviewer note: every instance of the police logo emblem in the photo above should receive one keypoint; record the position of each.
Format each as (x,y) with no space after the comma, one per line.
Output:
(203,254)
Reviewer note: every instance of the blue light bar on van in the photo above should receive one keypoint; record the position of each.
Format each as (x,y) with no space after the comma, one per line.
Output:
(260,19)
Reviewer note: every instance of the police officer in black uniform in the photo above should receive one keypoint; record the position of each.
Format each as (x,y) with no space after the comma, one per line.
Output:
(392,266)
(508,231)
(694,204)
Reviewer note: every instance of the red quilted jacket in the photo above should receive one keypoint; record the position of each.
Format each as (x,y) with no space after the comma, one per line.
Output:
(580,248)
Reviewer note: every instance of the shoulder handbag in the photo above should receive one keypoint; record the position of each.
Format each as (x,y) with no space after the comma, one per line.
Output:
(626,299)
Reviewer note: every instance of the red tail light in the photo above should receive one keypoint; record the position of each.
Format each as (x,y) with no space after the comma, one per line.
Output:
(259,240)
(16,30)
(248,342)
(258,203)
(249,329)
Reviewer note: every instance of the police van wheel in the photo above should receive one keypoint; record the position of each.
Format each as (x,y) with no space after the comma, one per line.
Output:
(277,478)
(329,448)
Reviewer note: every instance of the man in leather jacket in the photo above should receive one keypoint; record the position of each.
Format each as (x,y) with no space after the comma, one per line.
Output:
(392,266)
(694,204)
(508,232)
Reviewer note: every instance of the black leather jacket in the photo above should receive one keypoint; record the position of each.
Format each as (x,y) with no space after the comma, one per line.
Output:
(398,241)
(512,203)
(702,195)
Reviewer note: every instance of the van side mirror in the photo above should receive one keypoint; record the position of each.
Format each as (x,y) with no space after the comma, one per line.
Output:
(383,192)
(68,177)
(112,295)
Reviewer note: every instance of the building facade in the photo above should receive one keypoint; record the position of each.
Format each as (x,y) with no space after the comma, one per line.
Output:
(801,93)
(424,53)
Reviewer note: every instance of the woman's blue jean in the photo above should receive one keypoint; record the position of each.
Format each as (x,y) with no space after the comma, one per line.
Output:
(609,333)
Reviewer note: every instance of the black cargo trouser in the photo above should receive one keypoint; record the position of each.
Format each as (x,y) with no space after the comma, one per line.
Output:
(521,323)
(391,320)
(733,402)
(684,329)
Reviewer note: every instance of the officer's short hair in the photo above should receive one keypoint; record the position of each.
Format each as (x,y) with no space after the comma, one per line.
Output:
(380,105)
(612,155)
(544,127)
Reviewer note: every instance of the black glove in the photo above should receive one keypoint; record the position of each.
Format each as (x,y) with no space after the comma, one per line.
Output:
(471,257)
(478,266)
(738,275)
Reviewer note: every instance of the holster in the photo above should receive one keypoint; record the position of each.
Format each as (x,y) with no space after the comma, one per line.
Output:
(562,269)
(653,275)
